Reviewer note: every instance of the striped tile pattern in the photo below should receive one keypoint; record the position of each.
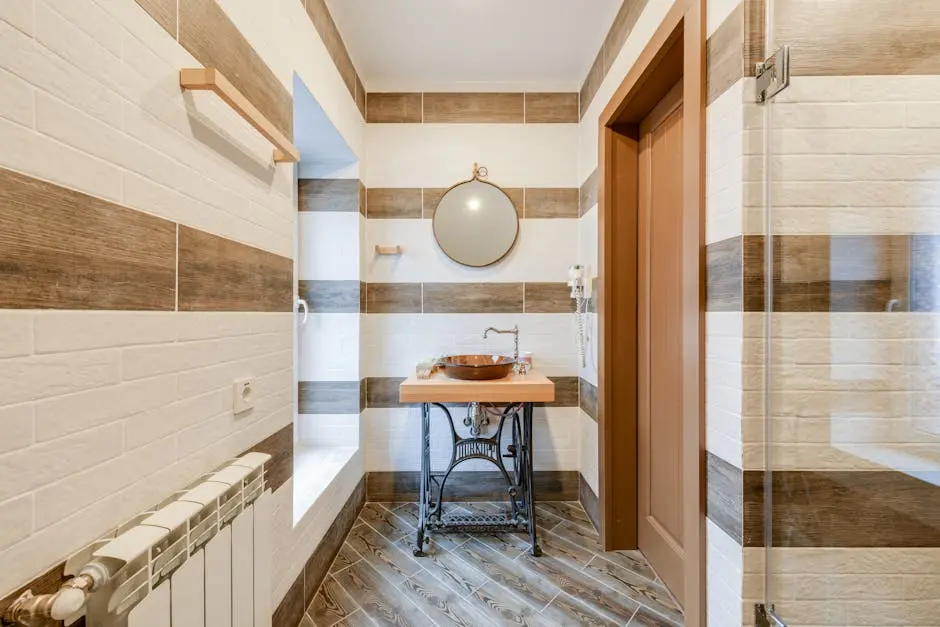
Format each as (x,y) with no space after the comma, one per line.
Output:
(487,580)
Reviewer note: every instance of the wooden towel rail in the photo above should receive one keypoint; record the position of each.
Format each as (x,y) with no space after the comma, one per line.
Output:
(210,79)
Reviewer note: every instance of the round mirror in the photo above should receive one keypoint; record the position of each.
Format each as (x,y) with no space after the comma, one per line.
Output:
(476,223)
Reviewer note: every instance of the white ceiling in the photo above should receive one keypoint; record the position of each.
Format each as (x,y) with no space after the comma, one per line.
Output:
(466,45)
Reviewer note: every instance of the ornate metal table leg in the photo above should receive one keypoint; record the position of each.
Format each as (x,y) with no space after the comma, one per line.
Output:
(425,482)
(530,487)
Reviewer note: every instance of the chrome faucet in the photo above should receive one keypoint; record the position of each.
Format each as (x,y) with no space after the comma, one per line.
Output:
(515,333)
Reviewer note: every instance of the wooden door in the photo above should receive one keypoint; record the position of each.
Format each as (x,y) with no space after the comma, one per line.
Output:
(660,467)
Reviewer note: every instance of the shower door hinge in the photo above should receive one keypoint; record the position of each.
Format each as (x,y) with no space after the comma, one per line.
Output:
(773,75)
(766,618)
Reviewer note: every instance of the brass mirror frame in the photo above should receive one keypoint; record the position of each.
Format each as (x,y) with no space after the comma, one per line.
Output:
(480,174)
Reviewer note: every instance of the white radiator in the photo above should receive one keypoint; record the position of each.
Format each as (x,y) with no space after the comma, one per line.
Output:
(201,560)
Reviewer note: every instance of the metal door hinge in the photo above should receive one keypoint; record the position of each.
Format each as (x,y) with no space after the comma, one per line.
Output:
(773,75)
(766,618)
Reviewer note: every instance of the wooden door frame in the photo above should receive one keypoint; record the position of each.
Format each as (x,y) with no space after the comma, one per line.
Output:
(676,52)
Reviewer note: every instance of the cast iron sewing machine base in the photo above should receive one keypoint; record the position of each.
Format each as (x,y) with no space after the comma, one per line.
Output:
(521,515)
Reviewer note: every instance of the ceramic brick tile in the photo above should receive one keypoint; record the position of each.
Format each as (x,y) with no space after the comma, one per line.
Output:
(58,332)
(17,105)
(151,360)
(44,376)
(18,13)
(16,424)
(16,520)
(16,333)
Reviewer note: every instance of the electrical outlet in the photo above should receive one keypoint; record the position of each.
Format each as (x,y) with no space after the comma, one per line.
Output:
(243,395)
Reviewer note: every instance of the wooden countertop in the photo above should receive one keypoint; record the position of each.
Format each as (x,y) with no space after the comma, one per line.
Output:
(533,387)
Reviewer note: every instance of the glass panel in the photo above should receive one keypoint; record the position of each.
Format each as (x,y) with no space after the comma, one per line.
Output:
(850,192)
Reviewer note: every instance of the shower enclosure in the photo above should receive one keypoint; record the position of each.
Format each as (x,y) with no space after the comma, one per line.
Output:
(841,366)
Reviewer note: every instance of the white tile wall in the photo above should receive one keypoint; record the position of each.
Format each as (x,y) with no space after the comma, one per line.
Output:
(589,451)
(724,162)
(328,430)
(723,578)
(328,348)
(329,245)
(95,417)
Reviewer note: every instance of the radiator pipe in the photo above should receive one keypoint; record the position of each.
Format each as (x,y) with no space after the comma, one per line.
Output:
(38,610)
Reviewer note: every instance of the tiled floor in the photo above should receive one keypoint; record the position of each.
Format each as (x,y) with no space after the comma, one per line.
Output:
(487,580)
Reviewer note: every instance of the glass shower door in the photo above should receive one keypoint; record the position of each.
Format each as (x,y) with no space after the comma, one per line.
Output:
(846,210)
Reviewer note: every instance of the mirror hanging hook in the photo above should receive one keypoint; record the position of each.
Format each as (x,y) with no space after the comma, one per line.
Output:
(479,172)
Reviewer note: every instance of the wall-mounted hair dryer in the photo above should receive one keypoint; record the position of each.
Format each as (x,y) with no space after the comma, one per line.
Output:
(580,284)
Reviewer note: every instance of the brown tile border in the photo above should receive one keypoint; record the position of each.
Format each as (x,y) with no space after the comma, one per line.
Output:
(474,108)
(390,298)
(548,298)
(617,35)
(207,33)
(280,446)
(394,108)
(552,202)
(319,14)
(588,193)
(331,296)
(329,195)
(552,108)
(328,397)
(587,398)
(319,562)
(393,202)
(549,485)
(62,249)
(842,509)
(724,496)
(808,271)
(588,500)
(566,392)
(218,274)
(163,12)
(473,297)
(290,611)
(724,55)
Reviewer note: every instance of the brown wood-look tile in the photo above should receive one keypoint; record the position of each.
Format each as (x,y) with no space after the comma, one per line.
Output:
(363,193)
(441,563)
(346,557)
(394,108)
(480,487)
(380,599)
(572,512)
(592,82)
(61,249)
(548,298)
(844,509)
(725,493)
(566,392)
(882,37)
(328,194)
(382,392)
(588,500)
(441,604)
(218,274)
(551,202)
(474,108)
(163,12)
(755,25)
(566,611)
(356,619)
(552,108)
(329,547)
(473,297)
(330,604)
(568,553)
(393,563)
(320,16)
(588,398)
(290,610)
(506,609)
(536,591)
(647,618)
(724,275)
(588,193)
(640,589)
(621,28)
(579,585)
(280,446)
(331,296)
(385,522)
(360,96)
(328,397)
(207,33)
(389,298)
(396,202)
(47,583)
(724,55)
(508,544)
(579,535)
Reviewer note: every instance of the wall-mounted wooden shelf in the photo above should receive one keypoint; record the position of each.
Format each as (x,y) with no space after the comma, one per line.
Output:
(210,79)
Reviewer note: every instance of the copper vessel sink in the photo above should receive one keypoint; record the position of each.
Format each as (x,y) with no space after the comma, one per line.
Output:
(476,367)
